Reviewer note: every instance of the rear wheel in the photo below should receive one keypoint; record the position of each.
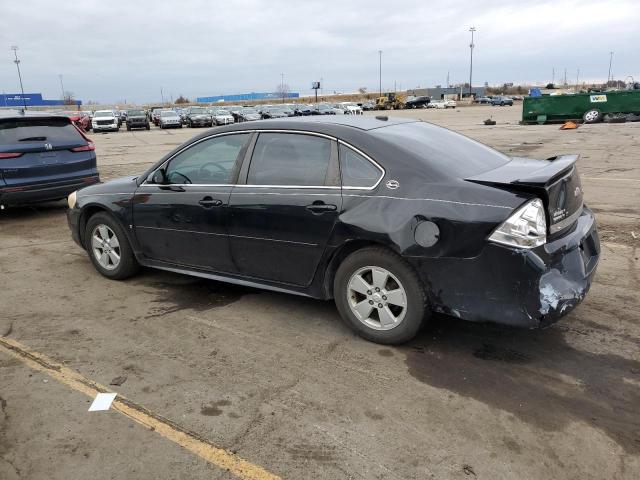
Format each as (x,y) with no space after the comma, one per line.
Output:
(380,296)
(592,116)
(109,248)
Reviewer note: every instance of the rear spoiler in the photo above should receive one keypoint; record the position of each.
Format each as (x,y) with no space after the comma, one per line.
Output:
(525,171)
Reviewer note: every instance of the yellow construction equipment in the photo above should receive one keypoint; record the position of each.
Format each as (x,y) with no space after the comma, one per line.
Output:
(390,101)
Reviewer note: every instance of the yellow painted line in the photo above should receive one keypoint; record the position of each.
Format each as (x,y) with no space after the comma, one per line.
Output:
(191,441)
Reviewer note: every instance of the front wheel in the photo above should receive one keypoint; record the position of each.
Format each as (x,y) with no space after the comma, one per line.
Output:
(380,296)
(109,248)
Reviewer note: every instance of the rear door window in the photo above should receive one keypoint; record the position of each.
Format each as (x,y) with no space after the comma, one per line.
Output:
(356,170)
(290,159)
(38,130)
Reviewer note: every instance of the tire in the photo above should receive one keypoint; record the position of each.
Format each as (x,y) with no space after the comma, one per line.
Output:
(401,278)
(148,127)
(127,265)
(592,116)
(128,128)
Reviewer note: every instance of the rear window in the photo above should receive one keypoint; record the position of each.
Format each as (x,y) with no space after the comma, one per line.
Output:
(26,130)
(447,151)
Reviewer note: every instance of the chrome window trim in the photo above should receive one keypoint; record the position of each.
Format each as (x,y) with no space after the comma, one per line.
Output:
(304,132)
(371,160)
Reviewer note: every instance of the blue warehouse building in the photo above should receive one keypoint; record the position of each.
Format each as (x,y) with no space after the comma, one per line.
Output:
(31,100)
(242,97)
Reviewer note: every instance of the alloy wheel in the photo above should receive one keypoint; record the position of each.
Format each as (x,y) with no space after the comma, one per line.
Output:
(105,247)
(377,298)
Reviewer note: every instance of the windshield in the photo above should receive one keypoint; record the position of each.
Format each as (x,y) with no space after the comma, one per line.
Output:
(449,152)
(168,114)
(135,113)
(222,112)
(103,114)
(198,110)
(248,110)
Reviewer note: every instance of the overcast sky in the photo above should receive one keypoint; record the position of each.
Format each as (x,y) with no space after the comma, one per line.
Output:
(109,51)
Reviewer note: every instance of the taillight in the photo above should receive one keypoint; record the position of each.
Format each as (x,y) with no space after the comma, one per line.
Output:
(85,148)
(526,228)
(10,155)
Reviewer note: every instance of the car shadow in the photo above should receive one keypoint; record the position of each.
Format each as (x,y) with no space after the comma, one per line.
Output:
(533,374)
(32,211)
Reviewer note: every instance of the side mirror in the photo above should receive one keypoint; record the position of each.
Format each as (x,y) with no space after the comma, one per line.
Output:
(160,177)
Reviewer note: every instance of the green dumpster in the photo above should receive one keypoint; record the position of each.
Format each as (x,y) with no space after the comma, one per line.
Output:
(590,107)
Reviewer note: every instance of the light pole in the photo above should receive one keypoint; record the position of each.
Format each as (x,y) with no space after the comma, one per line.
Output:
(610,61)
(471,45)
(380,71)
(17,62)
(61,87)
(282,86)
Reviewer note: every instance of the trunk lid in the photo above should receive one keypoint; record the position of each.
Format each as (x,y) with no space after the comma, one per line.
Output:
(555,181)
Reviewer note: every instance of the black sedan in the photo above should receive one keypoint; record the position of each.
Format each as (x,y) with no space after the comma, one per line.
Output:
(392,218)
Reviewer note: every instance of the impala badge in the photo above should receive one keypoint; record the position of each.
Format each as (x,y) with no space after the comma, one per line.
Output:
(577,192)
(392,184)
(48,146)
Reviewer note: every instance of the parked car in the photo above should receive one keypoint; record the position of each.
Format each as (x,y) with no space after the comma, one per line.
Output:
(302,110)
(170,119)
(42,157)
(105,120)
(352,108)
(392,218)
(273,112)
(417,102)
(155,115)
(247,114)
(501,101)
(137,119)
(198,117)
(222,117)
(324,109)
(368,105)
(442,104)
(483,100)
(81,120)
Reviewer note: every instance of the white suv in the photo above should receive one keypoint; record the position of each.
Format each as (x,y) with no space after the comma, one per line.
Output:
(104,120)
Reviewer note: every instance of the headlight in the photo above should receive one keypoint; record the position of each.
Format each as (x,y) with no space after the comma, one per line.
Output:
(526,228)
(71,199)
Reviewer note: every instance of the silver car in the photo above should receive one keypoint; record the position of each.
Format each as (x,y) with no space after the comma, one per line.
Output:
(222,117)
(170,119)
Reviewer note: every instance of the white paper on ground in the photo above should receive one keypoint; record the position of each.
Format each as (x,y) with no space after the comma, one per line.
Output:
(102,402)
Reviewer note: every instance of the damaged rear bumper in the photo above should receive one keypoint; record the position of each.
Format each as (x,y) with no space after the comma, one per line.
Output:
(526,288)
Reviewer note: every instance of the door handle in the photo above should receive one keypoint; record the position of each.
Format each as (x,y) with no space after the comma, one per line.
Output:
(321,207)
(208,202)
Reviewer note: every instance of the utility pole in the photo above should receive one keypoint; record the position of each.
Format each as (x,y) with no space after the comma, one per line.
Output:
(380,71)
(565,76)
(577,76)
(17,62)
(162,95)
(609,78)
(553,75)
(61,87)
(447,85)
(282,86)
(471,45)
